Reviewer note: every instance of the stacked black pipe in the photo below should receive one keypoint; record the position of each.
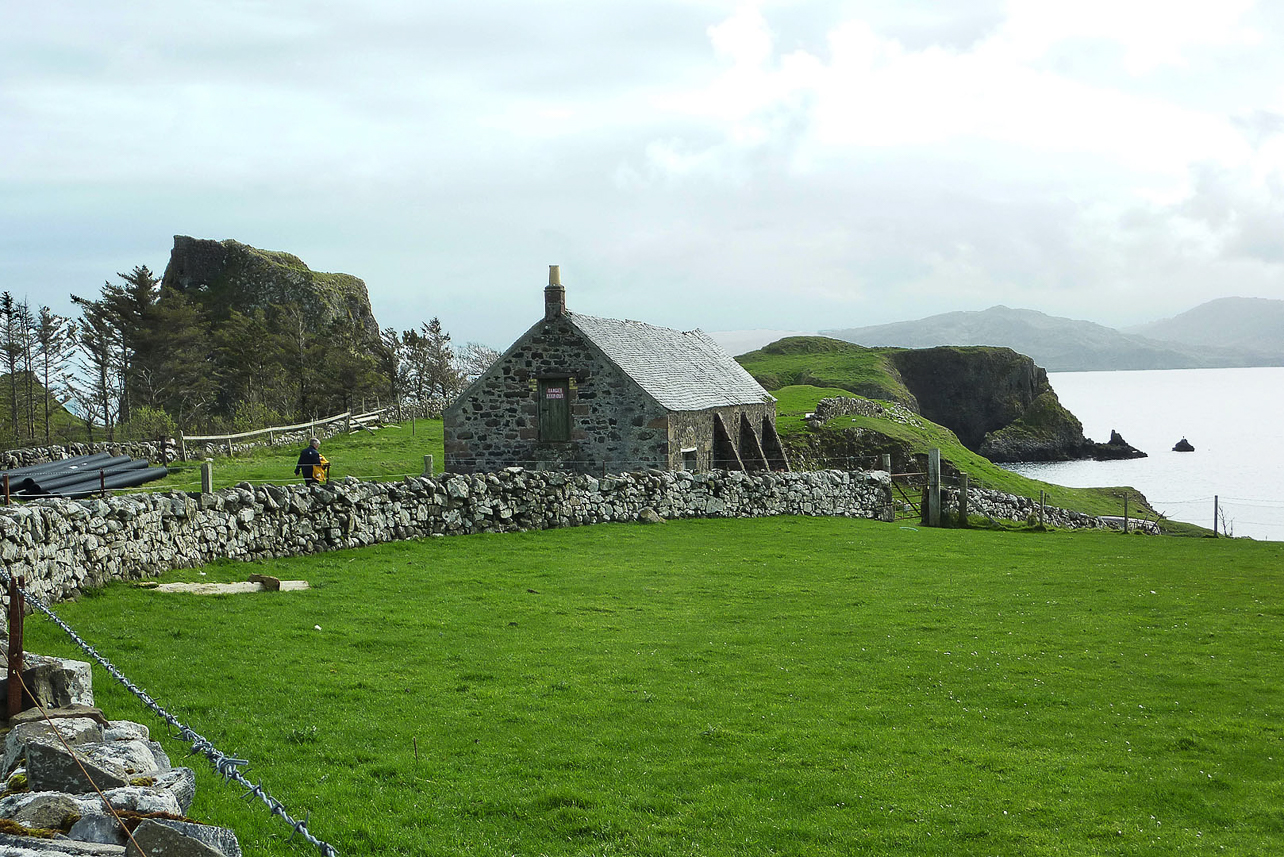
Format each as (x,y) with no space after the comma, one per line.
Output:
(81,476)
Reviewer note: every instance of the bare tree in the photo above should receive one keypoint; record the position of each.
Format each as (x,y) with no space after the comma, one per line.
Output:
(474,359)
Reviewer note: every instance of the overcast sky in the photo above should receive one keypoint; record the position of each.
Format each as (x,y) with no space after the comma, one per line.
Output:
(782,165)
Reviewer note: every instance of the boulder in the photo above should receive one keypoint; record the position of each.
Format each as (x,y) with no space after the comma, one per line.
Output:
(649,516)
(164,838)
(52,768)
(181,783)
(44,810)
(74,730)
(26,846)
(53,682)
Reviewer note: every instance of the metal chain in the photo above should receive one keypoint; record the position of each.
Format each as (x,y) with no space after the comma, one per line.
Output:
(226,766)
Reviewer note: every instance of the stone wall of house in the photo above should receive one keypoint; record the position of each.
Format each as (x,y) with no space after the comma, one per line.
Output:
(614,424)
(695,429)
(66,546)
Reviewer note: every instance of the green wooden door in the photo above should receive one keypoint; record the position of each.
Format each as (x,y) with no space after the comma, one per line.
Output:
(554,409)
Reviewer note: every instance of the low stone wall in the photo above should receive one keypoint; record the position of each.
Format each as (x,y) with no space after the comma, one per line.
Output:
(996,504)
(839,406)
(65,546)
(150,450)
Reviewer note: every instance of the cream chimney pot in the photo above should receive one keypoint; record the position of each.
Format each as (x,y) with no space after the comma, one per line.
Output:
(554,295)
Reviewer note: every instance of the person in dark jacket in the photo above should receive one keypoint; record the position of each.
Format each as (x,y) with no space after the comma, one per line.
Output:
(312,464)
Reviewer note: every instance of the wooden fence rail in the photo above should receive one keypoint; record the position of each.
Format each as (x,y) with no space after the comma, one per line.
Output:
(347,417)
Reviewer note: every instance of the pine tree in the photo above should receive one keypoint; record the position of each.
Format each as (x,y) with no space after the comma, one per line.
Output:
(98,343)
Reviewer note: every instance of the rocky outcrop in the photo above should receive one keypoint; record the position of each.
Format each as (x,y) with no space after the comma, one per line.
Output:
(227,275)
(971,391)
(1000,404)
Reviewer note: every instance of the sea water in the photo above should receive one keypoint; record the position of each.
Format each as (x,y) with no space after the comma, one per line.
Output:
(1233,417)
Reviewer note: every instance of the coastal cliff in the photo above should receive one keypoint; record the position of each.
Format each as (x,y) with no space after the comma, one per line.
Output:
(998,402)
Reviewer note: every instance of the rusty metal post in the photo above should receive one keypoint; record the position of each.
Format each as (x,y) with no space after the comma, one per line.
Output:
(15,645)
(102,482)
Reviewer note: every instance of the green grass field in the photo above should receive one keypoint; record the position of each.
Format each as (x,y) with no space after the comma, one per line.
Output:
(791,686)
(390,452)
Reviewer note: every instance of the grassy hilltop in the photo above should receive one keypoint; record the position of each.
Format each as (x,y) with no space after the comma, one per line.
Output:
(817,361)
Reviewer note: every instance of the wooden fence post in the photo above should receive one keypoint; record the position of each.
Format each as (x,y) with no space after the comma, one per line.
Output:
(963,488)
(427,465)
(182,447)
(934,488)
(1043,504)
(1215,516)
(207,477)
(1125,513)
(886,461)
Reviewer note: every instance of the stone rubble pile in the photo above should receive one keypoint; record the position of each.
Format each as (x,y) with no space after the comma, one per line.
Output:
(841,406)
(53,810)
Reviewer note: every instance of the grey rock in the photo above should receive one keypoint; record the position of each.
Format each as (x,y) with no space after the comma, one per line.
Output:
(181,783)
(52,768)
(158,839)
(45,810)
(54,682)
(98,827)
(126,730)
(74,730)
(132,758)
(144,799)
(26,846)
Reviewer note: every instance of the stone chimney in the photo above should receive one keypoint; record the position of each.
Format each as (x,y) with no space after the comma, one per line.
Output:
(554,295)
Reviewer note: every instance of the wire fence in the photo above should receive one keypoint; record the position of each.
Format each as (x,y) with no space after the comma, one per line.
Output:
(225,766)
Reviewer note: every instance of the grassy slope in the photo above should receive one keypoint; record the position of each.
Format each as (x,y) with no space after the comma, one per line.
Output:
(391,452)
(793,402)
(822,362)
(800,686)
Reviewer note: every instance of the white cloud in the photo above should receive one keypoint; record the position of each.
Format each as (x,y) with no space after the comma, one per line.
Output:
(780,165)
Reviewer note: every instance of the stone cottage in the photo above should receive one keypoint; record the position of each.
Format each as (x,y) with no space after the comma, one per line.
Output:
(601,395)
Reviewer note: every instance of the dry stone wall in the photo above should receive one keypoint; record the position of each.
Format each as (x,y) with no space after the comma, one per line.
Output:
(66,546)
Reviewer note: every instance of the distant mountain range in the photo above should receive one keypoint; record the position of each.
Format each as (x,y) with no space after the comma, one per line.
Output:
(1221,333)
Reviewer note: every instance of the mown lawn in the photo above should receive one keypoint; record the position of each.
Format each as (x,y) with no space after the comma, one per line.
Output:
(788,685)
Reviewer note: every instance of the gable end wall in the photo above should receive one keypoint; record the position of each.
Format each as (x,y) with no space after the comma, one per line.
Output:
(615,425)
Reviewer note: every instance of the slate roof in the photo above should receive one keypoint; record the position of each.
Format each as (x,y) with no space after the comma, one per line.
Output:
(682,370)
